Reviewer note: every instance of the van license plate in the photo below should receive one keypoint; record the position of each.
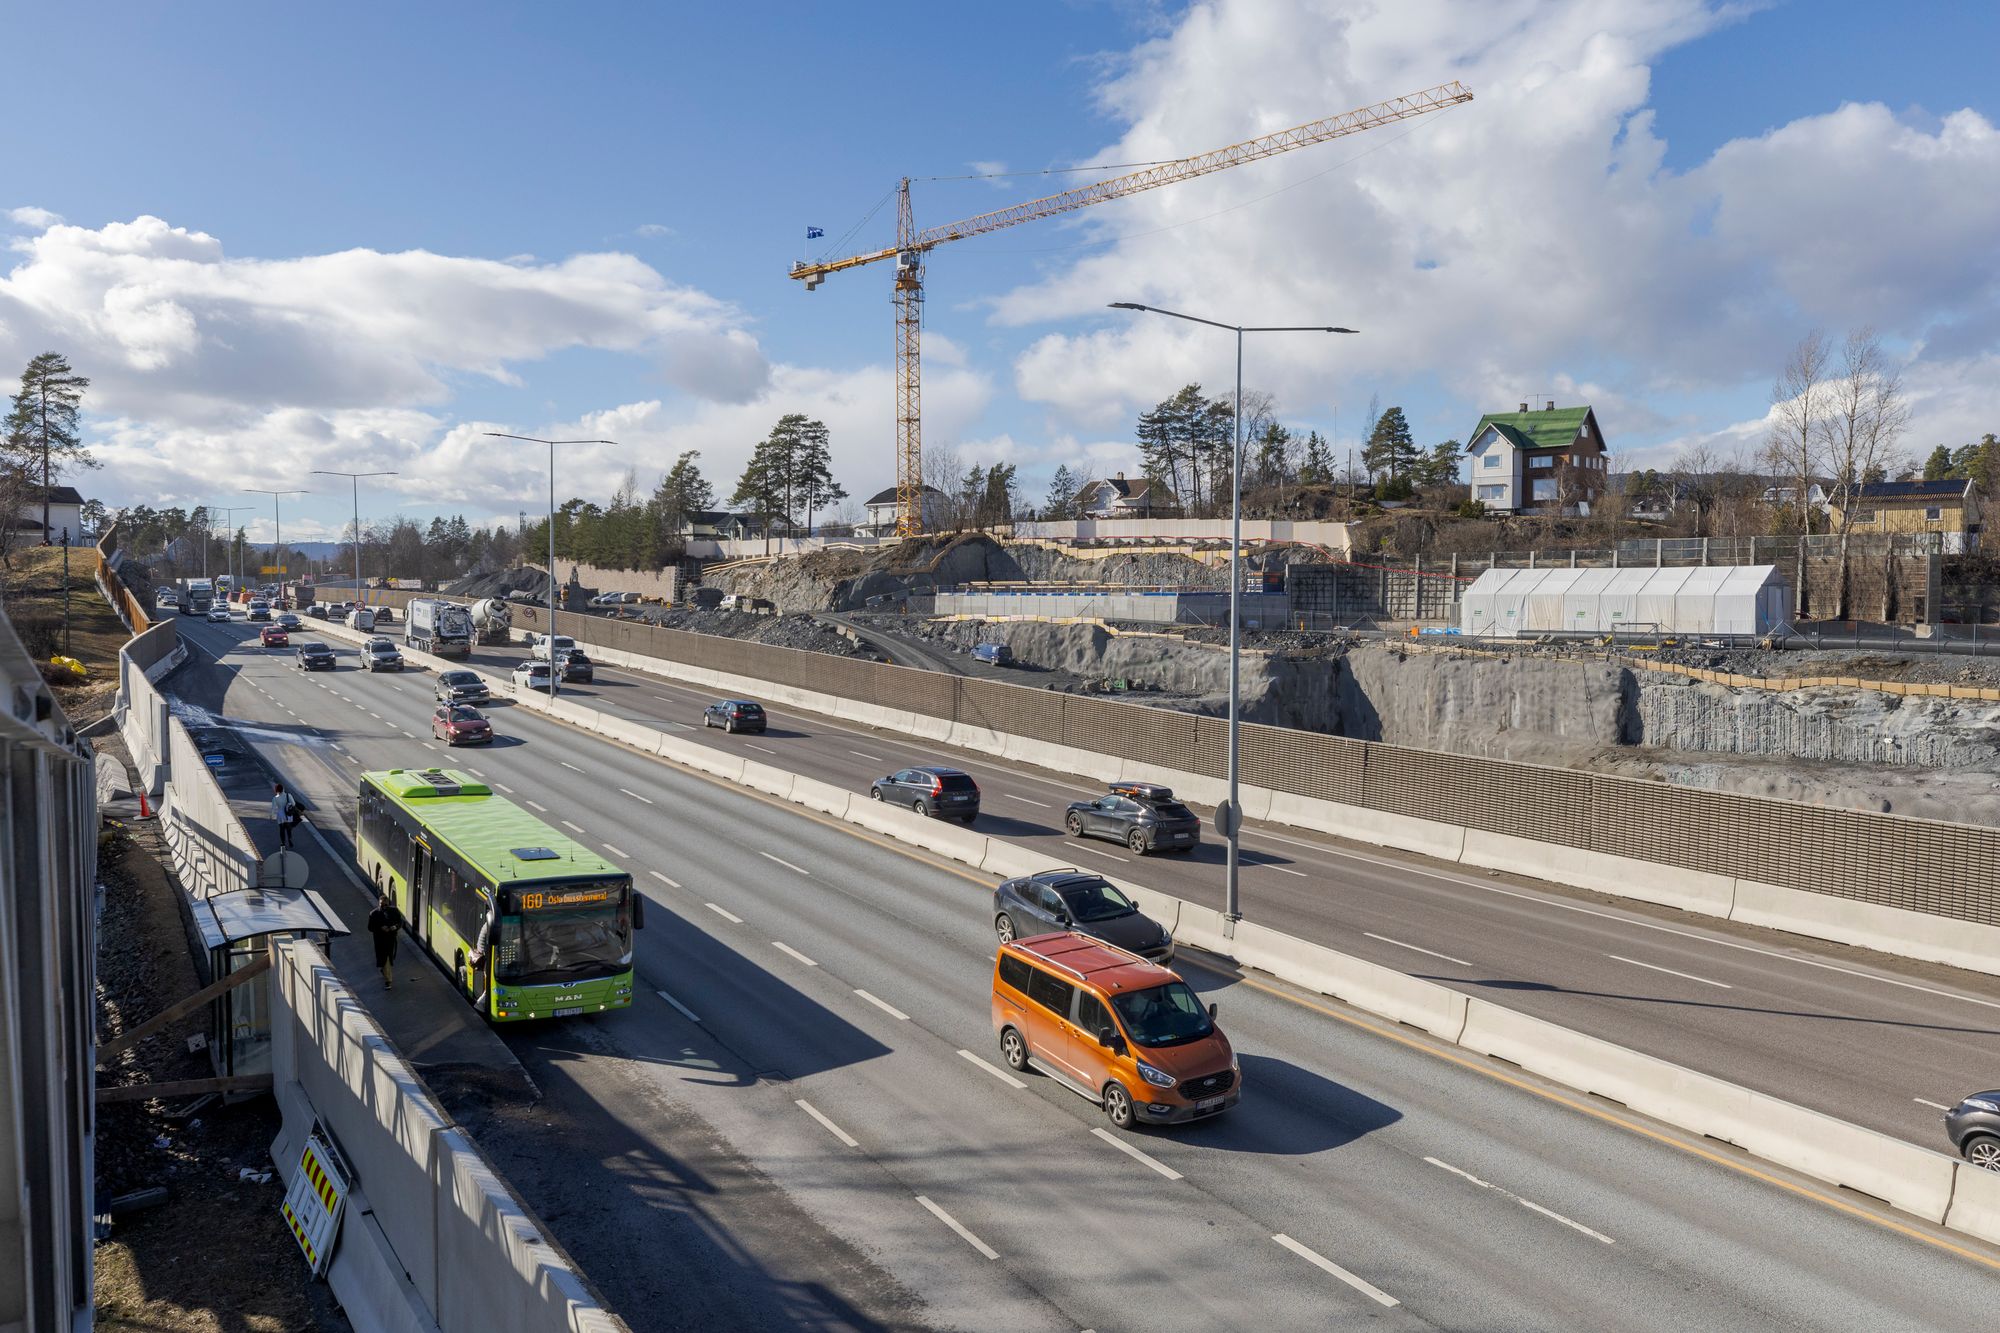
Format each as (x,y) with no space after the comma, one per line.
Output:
(567,1013)
(1212,1104)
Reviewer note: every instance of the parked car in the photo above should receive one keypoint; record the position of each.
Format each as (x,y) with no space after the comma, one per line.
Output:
(576,666)
(1127,1034)
(1974,1127)
(316,656)
(734,715)
(998,654)
(943,793)
(274,636)
(260,609)
(534,675)
(381,655)
(219,613)
(460,687)
(289,621)
(461,724)
(1142,815)
(615,599)
(1072,899)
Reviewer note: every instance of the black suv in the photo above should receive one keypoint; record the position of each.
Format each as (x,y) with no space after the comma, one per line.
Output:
(577,668)
(1071,899)
(315,656)
(460,687)
(734,715)
(942,793)
(1142,815)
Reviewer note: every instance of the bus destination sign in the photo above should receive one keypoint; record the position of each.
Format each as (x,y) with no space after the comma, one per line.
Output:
(547,899)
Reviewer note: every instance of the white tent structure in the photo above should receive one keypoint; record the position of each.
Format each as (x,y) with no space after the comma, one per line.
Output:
(1699,599)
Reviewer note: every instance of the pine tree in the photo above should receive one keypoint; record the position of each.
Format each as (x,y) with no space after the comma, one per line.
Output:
(1938,466)
(1273,465)
(1061,502)
(1390,450)
(41,436)
(1317,467)
(1439,467)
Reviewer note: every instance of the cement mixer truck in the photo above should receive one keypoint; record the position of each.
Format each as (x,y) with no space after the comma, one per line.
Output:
(491,620)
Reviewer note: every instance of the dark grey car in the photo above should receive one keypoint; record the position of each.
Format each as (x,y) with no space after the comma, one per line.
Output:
(1974,1126)
(1142,815)
(1070,899)
(940,793)
(461,687)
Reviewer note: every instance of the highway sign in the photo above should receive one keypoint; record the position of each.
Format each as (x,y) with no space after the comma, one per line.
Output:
(271,569)
(1227,818)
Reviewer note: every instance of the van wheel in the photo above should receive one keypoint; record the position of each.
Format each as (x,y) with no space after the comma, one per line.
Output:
(1074,824)
(1983,1151)
(1003,926)
(1118,1105)
(1137,842)
(1014,1051)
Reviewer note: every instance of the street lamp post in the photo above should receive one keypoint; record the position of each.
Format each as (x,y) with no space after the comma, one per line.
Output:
(1230,815)
(529,439)
(278,530)
(228,523)
(355,478)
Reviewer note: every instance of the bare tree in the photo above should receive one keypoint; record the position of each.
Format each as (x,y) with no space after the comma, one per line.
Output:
(1866,415)
(1800,399)
(1697,474)
(944,473)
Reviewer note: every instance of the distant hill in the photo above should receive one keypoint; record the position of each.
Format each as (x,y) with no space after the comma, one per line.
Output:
(310,550)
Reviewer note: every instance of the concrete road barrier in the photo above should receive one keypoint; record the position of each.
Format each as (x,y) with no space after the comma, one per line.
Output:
(768,779)
(1975,1203)
(823,797)
(1690,890)
(1966,944)
(1380,990)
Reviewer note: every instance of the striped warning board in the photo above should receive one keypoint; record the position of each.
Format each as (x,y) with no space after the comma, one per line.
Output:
(313,1202)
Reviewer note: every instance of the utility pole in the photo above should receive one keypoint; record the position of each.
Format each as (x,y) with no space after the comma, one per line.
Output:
(67,652)
(529,439)
(355,477)
(278,532)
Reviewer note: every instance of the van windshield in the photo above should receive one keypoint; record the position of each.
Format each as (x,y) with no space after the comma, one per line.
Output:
(1168,1015)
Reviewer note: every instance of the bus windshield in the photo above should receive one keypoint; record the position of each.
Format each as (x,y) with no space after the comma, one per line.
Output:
(566,942)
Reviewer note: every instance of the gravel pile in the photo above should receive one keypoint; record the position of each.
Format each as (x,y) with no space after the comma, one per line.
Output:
(799,631)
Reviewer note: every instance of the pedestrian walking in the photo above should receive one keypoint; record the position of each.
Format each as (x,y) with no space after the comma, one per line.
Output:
(286,813)
(385,923)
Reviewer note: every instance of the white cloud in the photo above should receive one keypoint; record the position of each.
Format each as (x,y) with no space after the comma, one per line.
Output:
(1528,241)
(41,219)
(997,171)
(653,230)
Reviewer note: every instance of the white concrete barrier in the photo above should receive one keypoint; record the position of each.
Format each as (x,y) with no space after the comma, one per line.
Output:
(1975,1203)
(1967,944)
(1365,985)
(766,778)
(1648,881)
(823,797)
(434,1239)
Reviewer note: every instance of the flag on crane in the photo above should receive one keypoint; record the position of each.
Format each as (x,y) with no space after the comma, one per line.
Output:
(814,233)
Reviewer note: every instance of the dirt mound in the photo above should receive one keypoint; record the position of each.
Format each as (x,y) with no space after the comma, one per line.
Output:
(499,584)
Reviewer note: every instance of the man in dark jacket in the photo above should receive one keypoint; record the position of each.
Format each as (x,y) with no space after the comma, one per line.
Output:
(385,923)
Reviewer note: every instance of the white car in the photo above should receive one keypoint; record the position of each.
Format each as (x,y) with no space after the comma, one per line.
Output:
(533,675)
(219,613)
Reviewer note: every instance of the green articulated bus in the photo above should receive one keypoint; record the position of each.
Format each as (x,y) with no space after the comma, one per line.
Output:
(528,923)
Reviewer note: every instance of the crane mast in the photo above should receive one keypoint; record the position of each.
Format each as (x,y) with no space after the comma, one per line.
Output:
(912,245)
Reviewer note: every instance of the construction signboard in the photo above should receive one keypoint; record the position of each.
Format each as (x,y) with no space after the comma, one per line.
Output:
(314,1201)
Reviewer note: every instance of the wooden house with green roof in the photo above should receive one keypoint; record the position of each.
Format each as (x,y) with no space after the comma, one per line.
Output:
(1548,461)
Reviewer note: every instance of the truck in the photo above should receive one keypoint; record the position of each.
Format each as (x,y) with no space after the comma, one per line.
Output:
(538,645)
(436,626)
(491,620)
(196,597)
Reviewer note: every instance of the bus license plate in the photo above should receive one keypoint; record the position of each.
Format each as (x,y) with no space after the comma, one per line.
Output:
(567,1013)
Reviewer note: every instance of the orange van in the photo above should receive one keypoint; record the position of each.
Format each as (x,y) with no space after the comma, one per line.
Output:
(1128,1034)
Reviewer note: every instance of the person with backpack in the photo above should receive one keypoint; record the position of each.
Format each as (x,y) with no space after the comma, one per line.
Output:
(385,924)
(286,813)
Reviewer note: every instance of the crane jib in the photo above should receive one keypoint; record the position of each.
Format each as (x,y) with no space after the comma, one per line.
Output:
(912,244)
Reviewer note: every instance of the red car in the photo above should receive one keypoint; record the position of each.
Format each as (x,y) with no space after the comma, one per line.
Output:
(461,724)
(273,636)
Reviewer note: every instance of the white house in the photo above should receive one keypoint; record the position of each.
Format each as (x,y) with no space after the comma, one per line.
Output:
(65,515)
(881,509)
(1551,460)
(1123,497)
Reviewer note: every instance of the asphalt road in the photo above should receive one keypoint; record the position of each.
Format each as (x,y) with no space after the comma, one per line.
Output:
(802,1124)
(1875,1040)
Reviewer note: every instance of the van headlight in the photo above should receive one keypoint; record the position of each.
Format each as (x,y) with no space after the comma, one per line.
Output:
(1159,1078)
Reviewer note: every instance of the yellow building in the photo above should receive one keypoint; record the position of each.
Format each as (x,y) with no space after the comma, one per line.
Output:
(1950,506)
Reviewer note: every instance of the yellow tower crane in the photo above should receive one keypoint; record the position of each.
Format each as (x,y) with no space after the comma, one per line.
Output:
(912,245)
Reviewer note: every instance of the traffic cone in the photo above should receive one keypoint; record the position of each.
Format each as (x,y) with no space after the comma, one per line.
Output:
(145,811)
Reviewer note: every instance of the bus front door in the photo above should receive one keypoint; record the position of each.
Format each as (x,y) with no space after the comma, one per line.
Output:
(420,893)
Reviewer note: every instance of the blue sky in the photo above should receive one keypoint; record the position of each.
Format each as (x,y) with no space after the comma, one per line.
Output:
(701,141)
